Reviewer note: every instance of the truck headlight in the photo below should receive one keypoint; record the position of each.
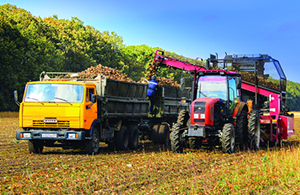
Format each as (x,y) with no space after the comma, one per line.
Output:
(25,135)
(72,136)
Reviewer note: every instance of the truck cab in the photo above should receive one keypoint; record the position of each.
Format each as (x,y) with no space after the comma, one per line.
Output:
(52,111)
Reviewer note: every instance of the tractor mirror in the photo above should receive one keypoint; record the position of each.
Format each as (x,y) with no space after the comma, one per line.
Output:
(238,82)
(186,83)
(182,83)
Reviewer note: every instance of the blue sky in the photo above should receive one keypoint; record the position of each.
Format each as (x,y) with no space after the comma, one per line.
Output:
(193,28)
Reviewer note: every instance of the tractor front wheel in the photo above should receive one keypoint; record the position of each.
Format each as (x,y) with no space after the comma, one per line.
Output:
(176,136)
(228,138)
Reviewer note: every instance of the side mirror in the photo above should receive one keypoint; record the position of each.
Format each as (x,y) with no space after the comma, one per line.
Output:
(186,83)
(16,98)
(182,84)
(239,82)
(94,98)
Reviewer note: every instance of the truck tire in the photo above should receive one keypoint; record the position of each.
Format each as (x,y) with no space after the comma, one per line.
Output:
(241,129)
(155,133)
(228,138)
(35,146)
(91,146)
(122,139)
(133,137)
(164,134)
(254,130)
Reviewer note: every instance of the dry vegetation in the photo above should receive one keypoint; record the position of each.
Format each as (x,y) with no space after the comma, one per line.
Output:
(150,170)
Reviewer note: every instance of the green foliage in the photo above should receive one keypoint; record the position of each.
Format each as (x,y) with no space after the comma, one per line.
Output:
(30,45)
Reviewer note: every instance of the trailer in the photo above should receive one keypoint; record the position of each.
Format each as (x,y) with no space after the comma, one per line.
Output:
(80,110)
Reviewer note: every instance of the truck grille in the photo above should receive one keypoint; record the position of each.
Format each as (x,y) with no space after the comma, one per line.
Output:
(41,123)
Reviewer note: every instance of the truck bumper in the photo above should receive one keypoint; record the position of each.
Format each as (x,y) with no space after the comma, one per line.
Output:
(50,135)
(196,131)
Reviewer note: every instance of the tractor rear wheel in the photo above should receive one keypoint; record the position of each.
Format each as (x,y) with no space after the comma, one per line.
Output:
(228,138)
(254,130)
(241,129)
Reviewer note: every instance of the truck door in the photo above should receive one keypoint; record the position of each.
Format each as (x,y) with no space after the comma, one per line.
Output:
(90,108)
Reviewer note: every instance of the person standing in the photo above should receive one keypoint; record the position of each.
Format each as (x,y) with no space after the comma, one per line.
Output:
(151,92)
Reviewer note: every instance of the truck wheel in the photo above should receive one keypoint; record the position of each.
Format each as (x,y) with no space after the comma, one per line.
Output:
(35,146)
(122,139)
(155,134)
(228,138)
(133,137)
(254,130)
(164,134)
(241,129)
(92,145)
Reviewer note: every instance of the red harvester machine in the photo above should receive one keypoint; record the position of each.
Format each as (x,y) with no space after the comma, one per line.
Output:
(219,114)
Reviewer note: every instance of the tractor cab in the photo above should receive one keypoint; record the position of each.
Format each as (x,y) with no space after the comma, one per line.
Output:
(220,84)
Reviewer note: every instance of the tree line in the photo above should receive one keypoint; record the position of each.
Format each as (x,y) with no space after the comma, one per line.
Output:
(30,45)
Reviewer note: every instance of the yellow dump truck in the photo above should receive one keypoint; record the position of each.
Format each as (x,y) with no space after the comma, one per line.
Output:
(72,110)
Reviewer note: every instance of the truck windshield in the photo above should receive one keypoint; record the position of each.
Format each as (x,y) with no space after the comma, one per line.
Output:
(45,92)
(212,86)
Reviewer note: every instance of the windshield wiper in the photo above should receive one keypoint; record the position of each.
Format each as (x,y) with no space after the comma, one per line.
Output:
(63,100)
(34,99)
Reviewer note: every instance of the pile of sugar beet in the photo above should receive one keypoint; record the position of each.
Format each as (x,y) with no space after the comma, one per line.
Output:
(114,74)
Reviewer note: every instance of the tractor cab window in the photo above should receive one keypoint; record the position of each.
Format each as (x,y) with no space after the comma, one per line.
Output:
(212,86)
(232,84)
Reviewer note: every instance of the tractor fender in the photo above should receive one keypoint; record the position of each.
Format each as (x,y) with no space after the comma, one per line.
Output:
(93,128)
(238,109)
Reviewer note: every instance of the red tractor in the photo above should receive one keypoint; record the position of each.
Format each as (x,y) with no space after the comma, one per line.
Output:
(217,114)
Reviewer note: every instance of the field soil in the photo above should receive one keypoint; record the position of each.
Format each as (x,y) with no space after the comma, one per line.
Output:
(149,170)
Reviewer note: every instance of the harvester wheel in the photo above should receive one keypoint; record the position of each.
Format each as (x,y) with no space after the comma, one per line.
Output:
(92,145)
(241,129)
(133,137)
(254,130)
(228,138)
(164,134)
(122,139)
(35,146)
